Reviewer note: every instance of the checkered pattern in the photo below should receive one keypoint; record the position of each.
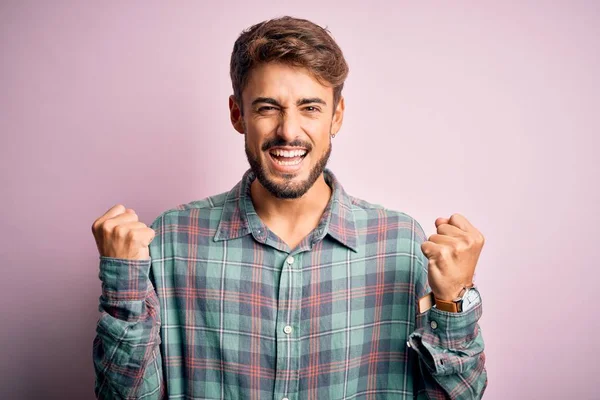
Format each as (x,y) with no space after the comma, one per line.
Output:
(224,309)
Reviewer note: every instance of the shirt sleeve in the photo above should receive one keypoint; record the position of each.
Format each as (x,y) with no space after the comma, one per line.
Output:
(449,346)
(126,351)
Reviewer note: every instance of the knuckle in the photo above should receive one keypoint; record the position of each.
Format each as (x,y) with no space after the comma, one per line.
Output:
(119,231)
(130,236)
(454,251)
(107,227)
(446,252)
(469,241)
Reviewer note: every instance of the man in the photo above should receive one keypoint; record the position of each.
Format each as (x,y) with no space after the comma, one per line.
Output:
(286,287)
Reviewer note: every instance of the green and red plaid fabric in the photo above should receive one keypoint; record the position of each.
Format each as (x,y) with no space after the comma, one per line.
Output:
(224,309)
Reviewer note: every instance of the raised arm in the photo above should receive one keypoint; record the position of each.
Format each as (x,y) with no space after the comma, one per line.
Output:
(126,351)
(449,345)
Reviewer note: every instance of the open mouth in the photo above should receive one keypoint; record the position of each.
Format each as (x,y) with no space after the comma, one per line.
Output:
(288,157)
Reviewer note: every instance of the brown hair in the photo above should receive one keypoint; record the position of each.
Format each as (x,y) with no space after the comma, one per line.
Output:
(293,41)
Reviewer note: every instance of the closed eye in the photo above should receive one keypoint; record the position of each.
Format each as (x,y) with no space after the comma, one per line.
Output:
(266,108)
(310,109)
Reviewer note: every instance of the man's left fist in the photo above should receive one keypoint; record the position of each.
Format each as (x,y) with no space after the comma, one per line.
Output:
(453,253)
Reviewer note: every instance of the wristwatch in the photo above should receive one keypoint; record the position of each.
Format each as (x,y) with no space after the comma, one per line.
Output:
(468,298)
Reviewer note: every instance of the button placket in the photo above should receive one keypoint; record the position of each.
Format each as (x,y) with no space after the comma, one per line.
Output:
(288,350)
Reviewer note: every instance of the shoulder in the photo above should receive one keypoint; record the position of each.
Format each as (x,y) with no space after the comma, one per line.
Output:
(210,207)
(367,214)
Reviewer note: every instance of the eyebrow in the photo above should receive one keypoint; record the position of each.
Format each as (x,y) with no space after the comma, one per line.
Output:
(300,102)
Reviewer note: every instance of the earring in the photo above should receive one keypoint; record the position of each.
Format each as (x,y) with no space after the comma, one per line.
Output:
(332,135)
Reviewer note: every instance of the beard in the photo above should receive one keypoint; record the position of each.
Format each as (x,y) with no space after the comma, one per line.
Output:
(286,190)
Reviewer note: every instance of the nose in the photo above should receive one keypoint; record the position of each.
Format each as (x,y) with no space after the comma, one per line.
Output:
(289,126)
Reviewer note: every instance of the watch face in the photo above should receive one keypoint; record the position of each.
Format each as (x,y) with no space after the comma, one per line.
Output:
(470,299)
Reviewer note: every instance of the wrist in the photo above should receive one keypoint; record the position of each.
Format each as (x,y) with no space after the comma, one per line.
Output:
(450,294)
(446,305)
(457,304)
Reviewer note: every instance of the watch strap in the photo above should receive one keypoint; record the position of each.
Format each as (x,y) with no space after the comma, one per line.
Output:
(429,300)
(450,306)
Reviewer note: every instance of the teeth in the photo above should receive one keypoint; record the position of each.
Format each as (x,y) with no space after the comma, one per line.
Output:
(289,154)
(289,162)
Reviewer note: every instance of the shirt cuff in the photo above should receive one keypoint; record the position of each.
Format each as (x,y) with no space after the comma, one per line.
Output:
(124,279)
(443,335)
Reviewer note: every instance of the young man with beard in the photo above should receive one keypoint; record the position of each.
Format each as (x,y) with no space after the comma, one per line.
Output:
(287,287)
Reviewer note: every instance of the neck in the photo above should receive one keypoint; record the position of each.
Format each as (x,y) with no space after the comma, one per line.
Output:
(290,215)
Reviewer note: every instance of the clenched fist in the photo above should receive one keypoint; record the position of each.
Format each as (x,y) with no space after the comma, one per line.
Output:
(453,253)
(120,234)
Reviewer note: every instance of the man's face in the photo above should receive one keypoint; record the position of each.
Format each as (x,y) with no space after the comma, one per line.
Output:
(288,119)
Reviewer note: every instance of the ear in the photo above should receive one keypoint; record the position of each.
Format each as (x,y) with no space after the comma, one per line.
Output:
(338,116)
(235,114)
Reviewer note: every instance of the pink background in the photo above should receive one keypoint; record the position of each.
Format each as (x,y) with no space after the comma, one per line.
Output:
(485,109)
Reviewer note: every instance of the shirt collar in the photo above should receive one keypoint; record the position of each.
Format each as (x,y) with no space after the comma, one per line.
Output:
(239,217)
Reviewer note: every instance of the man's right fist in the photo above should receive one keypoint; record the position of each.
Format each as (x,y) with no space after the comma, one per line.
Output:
(120,234)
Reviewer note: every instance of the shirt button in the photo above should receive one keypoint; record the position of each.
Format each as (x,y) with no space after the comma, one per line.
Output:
(287,329)
(433,324)
(290,260)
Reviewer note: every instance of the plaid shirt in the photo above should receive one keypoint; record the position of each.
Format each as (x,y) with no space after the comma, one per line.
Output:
(224,309)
